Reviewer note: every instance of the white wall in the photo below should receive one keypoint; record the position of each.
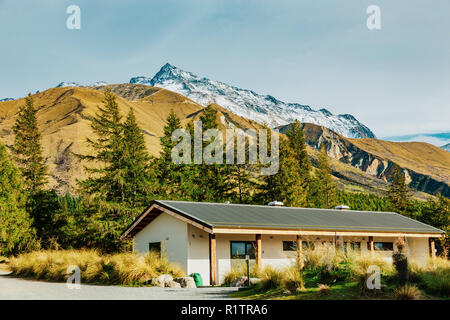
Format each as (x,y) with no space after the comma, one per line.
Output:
(198,253)
(418,250)
(172,233)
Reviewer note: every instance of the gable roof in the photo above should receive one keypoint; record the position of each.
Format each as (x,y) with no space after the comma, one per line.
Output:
(220,215)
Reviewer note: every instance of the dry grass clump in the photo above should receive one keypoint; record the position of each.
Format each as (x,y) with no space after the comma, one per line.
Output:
(240,271)
(436,276)
(324,290)
(271,278)
(293,279)
(407,292)
(121,268)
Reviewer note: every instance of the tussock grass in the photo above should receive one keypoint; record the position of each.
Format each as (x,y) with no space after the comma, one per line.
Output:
(121,268)
(240,271)
(407,292)
(435,276)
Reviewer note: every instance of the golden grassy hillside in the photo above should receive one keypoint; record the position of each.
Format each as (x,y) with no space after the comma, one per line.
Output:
(420,157)
(63,120)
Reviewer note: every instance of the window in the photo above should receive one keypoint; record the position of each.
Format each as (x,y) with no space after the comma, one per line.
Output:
(381,246)
(154,246)
(239,249)
(289,245)
(292,245)
(356,246)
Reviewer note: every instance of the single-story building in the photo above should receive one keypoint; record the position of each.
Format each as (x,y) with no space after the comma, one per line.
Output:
(207,238)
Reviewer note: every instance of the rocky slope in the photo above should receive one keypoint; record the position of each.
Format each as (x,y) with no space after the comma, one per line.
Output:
(446,147)
(251,105)
(427,167)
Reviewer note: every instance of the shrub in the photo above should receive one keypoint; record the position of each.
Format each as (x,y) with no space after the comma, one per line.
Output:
(240,271)
(324,290)
(271,278)
(293,279)
(121,268)
(407,292)
(400,262)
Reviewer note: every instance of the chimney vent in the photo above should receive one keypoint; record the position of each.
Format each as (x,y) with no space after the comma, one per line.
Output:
(275,204)
(342,207)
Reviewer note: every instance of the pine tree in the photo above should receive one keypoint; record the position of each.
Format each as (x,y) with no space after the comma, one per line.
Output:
(105,178)
(169,174)
(16,231)
(398,191)
(285,184)
(27,148)
(135,164)
(298,145)
(324,188)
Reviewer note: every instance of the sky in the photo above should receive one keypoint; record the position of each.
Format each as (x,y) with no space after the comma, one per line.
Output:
(395,80)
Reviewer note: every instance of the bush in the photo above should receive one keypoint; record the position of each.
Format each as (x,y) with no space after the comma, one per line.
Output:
(293,279)
(122,268)
(407,292)
(240,271)
(324,290)
(271,278)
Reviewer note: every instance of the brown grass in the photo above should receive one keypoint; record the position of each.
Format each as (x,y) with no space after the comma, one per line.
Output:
(122,268)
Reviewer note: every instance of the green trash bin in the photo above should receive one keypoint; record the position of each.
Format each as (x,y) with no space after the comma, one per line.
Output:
(197,278)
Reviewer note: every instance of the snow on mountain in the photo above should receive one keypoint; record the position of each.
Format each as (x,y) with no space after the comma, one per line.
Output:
(6,99)
(75,84)
(247,103)
(446,147)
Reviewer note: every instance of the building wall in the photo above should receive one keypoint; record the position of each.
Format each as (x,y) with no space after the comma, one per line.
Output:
(188,246)
(172,233)
(198,253)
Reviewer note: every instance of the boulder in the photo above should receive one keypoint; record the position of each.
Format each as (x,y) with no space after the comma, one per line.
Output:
(162,281)
(173,284)
(186,282)
(242,282)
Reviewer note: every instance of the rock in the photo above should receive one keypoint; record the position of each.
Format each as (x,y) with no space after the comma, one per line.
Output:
(242,282)
(162,281)
(173,285)
(186,282)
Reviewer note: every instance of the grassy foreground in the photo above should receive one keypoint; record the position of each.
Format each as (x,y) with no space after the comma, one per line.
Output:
(114,269)
(343,276)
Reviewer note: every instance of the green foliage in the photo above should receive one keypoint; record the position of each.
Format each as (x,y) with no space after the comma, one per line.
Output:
(16,231)
(398,192)
(363,201)
(324,189)
(27,148)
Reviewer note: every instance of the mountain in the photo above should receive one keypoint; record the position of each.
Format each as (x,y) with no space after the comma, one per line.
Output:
(438,139)
(427,167)
(6,99)
(251,105)
(63,120)
(75,84)
(446,147)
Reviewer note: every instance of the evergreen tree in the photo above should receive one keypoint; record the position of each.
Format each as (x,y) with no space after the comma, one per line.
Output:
(285,185)
(398,191)
(138,177)
(16,231)
(169,174)
(106,178)
(27,148)
(324,188)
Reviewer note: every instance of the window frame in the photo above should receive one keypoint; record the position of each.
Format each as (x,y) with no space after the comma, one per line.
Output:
(246,243)
(157,244)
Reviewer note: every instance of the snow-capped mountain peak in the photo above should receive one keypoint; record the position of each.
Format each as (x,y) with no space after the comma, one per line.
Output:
(247,103)
(6,99)
(75,84)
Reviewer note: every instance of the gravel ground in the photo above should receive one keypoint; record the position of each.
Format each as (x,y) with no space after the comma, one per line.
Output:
(13,288)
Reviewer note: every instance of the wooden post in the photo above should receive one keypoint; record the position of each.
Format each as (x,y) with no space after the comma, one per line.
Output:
(212,259)
(258,251)
(371,245)
(299,252)
(432,248)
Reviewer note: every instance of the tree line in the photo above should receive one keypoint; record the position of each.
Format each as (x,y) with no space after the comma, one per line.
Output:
(121,178)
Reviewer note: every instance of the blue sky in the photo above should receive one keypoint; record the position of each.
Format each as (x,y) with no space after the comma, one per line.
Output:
(395,80)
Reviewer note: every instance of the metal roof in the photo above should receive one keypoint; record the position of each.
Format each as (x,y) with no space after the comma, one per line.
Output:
(270,217)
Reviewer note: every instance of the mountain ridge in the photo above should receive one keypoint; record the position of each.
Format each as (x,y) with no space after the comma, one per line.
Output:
(249,104)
